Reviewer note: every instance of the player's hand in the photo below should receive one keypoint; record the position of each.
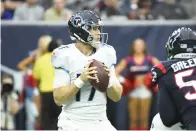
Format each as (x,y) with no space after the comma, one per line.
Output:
(89,73)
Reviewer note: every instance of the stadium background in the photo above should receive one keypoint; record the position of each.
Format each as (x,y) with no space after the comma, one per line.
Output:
(18,39)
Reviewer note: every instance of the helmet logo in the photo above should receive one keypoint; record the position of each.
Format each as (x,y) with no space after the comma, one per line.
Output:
(172,39)
(76,21)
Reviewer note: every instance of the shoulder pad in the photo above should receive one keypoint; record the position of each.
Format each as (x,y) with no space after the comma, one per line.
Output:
(60,57)
(111,53)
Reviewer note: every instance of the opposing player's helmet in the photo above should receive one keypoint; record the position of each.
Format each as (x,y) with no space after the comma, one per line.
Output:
(181,44)
(80,25)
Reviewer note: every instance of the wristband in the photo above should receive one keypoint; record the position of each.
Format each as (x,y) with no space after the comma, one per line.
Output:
(79,83)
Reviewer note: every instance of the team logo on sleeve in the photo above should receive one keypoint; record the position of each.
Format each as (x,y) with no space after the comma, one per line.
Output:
(154,75)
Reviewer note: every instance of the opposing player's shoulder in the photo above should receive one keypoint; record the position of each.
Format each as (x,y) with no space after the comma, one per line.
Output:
(110,53)
(160,70)
(60,56)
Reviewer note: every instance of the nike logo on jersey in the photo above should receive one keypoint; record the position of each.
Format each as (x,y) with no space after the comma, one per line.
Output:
(184,64)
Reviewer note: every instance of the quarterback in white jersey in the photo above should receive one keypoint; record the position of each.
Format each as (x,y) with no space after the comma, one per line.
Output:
(84,108)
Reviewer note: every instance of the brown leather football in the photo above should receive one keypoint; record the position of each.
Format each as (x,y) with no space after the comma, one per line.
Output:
(102,81)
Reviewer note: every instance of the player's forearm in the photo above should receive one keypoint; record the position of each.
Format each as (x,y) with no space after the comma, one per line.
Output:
(63,94)
(115,92)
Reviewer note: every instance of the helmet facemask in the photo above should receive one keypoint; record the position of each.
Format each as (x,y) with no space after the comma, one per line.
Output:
(103,37)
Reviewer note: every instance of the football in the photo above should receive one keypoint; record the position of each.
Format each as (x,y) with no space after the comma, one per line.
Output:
(102,81)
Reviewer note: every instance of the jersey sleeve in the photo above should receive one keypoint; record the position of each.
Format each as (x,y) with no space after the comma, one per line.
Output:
(59,58)
(61,64)
(166,106)
(112,70)
(113,75)
(61,78)
(111,55)
(157,72)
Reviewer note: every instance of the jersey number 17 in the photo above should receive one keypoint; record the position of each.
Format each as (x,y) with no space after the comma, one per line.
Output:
(91,96)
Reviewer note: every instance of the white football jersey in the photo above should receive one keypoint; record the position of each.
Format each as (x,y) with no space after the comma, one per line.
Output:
(88,102)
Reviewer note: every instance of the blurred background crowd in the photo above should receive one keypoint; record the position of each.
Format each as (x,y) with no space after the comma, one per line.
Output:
(61,10)
(27,49)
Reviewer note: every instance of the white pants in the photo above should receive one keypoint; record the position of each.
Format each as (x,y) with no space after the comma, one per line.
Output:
(67,124)
(157,124)
(141,92)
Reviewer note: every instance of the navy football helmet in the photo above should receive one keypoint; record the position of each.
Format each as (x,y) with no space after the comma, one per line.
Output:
(181,44)
(80,25)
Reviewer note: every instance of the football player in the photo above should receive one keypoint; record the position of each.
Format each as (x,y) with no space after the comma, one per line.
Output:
(176,79)
(84,108)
